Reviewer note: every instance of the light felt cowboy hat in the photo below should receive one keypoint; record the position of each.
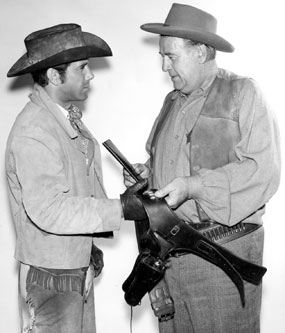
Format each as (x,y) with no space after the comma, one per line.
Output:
(188,22)
(62,43)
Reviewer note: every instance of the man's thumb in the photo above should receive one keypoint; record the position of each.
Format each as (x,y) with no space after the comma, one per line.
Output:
(161,193)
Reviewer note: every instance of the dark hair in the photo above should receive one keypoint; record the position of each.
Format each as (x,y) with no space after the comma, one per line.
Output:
(40,76)
(211,51)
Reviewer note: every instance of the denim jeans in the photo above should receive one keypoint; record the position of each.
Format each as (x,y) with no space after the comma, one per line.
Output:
(55,302)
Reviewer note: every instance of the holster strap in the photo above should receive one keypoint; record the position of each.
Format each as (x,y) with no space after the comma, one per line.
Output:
(181,237)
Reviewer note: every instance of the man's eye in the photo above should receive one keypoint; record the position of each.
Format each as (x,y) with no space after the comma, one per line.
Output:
(83,66)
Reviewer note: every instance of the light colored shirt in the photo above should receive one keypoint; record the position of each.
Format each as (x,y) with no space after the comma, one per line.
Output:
(63,110)
(235,191)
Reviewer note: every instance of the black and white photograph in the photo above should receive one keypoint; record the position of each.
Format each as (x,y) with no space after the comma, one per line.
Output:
(141,151)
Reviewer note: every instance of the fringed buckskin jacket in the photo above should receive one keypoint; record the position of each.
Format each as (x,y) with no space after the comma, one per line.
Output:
(56,204)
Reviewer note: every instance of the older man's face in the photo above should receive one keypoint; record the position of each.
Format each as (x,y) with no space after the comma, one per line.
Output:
(181,62)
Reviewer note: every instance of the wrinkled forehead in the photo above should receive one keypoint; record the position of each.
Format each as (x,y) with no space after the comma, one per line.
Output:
(169,44)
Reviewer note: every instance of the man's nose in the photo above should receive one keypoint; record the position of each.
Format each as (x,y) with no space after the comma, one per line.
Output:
(165,64)
(89,74)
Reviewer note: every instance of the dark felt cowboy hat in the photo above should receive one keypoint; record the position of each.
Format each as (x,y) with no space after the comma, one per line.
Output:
(188,22)
(62,43)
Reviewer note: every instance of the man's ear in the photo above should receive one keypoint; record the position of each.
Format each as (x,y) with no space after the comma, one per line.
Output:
(53,76)
(202,53)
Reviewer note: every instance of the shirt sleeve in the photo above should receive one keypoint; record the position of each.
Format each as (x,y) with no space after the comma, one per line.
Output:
(46,194)
(234,191)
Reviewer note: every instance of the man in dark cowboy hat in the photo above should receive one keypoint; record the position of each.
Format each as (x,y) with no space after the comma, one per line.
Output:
(214,156)
(56,191)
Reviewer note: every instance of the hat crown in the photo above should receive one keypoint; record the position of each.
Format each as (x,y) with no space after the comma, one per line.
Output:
(184,21)
(188,17)
(48,42)
(60,44)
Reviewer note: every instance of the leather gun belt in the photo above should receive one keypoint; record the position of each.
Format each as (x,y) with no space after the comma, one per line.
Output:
(222,234)
(175,236)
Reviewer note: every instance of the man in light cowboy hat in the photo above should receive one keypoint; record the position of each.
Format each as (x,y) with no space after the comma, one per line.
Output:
(214,156)
(56,191)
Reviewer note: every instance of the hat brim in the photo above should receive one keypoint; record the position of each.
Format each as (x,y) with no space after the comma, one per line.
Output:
(95,47)
(196,35)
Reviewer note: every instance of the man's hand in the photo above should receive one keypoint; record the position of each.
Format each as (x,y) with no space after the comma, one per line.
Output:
(140,169)
(96,260)
(95,268)
(132,206)
(180,190)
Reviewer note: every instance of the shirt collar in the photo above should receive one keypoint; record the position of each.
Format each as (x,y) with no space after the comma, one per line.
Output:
(203,90)
(63,110)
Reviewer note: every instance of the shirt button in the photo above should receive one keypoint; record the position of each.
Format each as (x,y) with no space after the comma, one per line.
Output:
(196,167)
(176,136)
(171,162)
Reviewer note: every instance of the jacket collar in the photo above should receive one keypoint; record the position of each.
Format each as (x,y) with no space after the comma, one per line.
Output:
(40,97)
